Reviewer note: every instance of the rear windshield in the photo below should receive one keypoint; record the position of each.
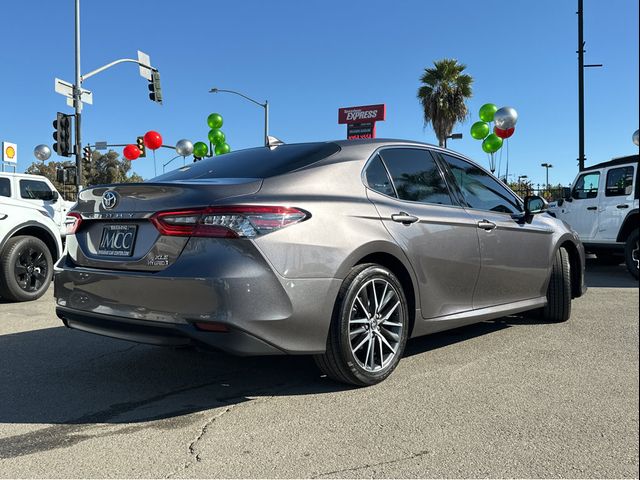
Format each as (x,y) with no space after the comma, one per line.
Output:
(258,162)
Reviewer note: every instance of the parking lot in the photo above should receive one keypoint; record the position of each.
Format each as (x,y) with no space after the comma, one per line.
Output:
(507,398)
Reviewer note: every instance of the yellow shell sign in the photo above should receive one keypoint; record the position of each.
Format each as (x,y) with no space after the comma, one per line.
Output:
(9,152)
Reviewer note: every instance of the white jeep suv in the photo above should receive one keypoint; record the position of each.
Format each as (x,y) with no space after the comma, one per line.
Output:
(602,207)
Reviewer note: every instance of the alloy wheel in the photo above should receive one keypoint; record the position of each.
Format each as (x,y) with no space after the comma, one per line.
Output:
(375,324)
(31,269)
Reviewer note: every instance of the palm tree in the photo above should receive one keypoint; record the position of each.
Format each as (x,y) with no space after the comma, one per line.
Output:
(443,94)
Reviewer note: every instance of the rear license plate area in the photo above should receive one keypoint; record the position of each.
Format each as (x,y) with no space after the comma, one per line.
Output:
(117,240)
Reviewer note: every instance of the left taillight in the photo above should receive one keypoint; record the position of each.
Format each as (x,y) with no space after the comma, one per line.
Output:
(72,222)
(227,221)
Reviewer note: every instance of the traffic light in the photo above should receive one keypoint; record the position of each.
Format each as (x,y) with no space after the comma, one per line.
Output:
(86,154)
(62,135)
(60,175)
(154,87)
(141,147)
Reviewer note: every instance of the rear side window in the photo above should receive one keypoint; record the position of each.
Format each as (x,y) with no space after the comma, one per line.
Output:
(35,190)
(378,178)
(619,182)
(416,176)
(479,189)
(261,162)
(5,187)
(586,186)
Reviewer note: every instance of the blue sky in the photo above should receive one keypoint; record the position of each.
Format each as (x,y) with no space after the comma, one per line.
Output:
(309,58)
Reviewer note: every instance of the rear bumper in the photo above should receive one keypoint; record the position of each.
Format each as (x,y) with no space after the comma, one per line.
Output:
(212,281)
(165,334)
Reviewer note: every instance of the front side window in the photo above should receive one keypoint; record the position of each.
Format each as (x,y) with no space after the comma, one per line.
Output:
(416,176)
(5,187)
(35,190)
(378,179)
(586,186)
(479,190)
(619,182)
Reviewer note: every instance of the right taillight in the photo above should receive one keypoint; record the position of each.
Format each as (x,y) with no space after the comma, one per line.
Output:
(72,222)
(227,221)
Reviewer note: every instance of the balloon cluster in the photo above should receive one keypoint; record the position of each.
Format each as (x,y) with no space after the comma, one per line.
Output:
(216,137)
(152,140)
(504,120)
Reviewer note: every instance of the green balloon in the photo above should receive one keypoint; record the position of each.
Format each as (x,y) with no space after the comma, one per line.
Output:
(487,111)
(214,120)
(492,143)
(216,136)
(200,149)
(479,130)
(222,149)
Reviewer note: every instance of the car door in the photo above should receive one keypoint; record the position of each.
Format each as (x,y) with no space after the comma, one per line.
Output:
(616,202)
(439,237)
(515,253)
(581,209)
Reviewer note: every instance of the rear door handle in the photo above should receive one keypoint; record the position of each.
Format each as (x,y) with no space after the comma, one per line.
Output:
(622,206)
(592,208)
(486,225)
(404,217)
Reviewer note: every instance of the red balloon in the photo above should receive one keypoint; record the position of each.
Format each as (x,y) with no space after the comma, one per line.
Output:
(152,140)
(504,133)
(131,152)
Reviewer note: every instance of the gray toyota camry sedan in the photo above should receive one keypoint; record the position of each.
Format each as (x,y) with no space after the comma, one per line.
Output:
(342,250)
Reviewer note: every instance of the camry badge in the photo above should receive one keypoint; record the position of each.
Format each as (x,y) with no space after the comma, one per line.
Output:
(109,199)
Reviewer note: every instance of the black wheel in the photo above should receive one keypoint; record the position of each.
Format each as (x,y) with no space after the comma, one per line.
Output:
(631,253)
(369,328)
(26,269)
(558,307)
(609,258)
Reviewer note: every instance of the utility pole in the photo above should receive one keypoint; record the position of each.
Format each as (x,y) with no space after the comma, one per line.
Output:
(581,67)
(77,102)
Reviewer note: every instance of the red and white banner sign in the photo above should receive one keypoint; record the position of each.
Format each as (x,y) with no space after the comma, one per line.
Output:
(363,114)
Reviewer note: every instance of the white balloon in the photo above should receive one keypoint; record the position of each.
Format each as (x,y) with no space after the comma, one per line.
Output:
(635,138)
(184,147)
(42,152)
(506,118)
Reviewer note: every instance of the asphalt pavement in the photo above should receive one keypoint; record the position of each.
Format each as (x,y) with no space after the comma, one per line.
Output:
(512,397)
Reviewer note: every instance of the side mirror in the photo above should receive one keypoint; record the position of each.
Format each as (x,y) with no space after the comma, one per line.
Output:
(566,193)
(55,196)
(535,204)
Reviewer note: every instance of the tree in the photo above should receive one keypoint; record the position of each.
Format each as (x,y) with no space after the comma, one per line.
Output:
(103,169)
(443,96)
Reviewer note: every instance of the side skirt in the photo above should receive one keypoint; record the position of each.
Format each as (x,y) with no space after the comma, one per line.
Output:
(438,324)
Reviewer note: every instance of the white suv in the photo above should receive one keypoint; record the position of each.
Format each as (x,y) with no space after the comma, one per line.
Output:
(38,191)
(30,243)
(602,207)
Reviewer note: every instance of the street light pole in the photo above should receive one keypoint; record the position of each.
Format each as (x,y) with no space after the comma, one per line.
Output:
(77,102)
(453,136)
(547,166)
(264,105)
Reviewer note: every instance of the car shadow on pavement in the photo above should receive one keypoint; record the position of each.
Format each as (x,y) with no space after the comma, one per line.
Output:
(608,276)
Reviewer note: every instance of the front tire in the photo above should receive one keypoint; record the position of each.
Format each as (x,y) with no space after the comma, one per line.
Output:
(631,253)
(26,268)
(558,307)
(369,328)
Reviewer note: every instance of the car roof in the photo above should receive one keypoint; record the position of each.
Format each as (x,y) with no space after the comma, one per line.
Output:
(614,162)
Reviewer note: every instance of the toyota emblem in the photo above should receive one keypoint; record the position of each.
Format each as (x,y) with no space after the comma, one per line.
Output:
(109,199)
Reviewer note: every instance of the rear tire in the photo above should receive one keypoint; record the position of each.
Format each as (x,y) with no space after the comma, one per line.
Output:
(631,253)
(558,307)
(26,268)
(369,328)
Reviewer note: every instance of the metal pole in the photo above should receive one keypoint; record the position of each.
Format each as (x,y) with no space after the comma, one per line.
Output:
(581,157)
(78,102)
(266,123)
(547,168)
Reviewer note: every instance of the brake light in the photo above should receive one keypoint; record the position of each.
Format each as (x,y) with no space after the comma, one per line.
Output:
(227,221)
(72,222)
